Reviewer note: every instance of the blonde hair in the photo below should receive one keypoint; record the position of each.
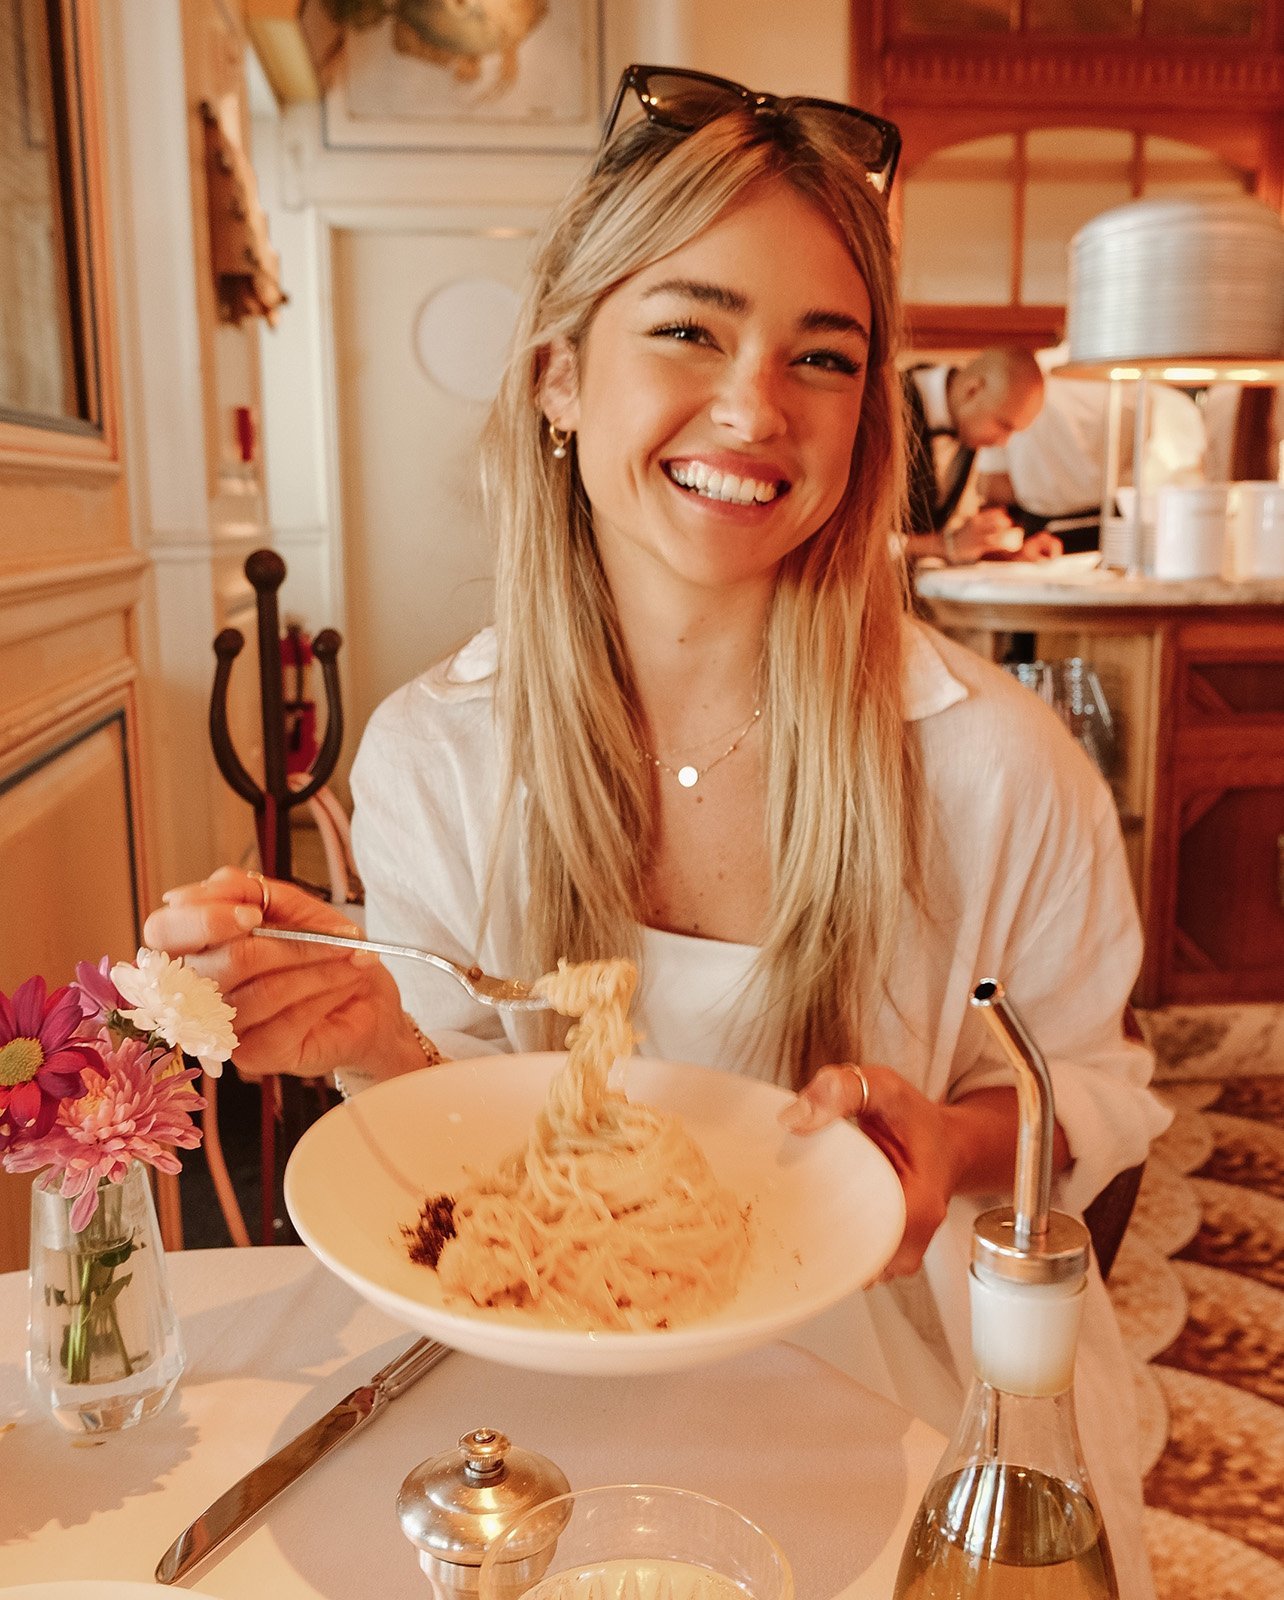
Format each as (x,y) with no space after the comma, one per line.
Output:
(842,781)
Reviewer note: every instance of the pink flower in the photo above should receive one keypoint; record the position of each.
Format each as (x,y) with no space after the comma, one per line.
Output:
(136,1107)
(40,1062)
(98,994)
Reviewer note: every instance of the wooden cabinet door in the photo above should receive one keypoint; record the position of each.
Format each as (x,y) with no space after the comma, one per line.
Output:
(72,869)
(1224,860)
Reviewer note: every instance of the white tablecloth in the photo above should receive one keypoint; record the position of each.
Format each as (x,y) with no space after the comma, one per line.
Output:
(273,1340)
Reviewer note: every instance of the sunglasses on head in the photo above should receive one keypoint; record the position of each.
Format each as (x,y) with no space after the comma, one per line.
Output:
(682,101)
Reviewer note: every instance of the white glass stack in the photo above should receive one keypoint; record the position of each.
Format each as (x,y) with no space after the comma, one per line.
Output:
(1190,530)
(1256,530)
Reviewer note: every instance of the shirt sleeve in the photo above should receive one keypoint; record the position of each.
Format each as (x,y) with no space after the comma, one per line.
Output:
(420,850)
(991,458)
(1070,966)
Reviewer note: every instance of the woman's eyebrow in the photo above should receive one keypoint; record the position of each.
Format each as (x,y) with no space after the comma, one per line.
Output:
(722,298)
(709,294)
(833,322)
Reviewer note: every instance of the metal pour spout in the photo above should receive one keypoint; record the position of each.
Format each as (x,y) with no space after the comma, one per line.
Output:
(1032,1190)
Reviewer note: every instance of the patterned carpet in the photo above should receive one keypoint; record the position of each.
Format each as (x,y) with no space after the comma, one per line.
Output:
(1199,1288)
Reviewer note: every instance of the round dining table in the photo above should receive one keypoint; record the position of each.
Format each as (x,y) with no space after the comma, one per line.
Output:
(273,1340)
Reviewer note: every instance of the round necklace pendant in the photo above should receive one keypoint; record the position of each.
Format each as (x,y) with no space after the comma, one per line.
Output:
(688,777)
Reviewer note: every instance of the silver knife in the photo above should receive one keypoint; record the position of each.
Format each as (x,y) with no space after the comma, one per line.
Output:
(243,1500)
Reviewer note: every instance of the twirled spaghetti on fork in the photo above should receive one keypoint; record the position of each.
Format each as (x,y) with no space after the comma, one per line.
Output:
(610,1217)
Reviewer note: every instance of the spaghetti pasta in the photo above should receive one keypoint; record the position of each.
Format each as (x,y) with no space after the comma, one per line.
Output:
(610,1217)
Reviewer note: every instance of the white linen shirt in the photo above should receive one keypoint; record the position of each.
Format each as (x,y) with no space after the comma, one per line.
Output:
(1025,880)
(1057,464)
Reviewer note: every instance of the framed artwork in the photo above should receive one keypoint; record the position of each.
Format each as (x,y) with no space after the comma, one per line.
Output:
(31,46)
(517,74)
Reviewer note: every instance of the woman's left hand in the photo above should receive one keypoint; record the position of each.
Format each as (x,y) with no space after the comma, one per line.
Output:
(914,1133)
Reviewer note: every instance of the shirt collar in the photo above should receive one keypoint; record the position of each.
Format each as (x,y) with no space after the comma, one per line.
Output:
(931,383)
(927,684)
(469,673)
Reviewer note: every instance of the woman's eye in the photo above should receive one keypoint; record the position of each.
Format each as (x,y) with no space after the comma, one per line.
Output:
(831,361)
(683,331)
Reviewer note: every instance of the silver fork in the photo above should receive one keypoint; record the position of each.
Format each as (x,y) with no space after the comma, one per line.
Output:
(510,993)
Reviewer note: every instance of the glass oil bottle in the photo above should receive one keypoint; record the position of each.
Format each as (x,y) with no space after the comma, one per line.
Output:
(1011,1513)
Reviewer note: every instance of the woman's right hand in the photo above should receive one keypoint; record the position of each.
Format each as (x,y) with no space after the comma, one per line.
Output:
(305,1009)
(914,1133)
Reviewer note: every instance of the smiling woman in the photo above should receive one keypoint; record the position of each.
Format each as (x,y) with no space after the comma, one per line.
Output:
(705,734)
(716,388)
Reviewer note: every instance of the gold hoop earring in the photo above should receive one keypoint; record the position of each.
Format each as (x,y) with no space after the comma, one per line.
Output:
(559,438)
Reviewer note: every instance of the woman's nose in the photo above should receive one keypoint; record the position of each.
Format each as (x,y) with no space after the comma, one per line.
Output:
(749,401)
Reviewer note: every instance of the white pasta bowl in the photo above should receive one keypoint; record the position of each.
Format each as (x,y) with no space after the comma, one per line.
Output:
(827,1209)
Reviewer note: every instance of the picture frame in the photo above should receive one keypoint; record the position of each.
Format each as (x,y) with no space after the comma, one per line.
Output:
(33,58)
(552,100)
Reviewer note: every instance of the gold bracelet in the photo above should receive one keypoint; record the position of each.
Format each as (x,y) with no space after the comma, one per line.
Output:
(432,1056)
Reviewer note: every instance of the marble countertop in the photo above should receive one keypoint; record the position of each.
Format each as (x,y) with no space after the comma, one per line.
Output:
(1077,580)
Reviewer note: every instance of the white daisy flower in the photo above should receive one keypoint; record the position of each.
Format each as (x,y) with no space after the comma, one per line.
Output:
(184,1009)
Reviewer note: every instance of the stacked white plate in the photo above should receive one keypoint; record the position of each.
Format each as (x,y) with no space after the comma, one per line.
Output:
(1178,278)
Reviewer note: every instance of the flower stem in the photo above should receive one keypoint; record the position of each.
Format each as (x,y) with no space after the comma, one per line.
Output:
(98,1250)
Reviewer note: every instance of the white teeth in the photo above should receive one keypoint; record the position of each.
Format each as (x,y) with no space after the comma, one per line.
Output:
(715,485)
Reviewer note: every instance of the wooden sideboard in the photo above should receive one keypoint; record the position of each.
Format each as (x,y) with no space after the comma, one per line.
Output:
(1194,676)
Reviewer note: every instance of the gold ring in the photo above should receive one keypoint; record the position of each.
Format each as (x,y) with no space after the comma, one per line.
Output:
(850,1066)
(264,891)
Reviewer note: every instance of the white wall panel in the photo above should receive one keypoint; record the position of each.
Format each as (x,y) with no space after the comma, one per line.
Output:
(417,556)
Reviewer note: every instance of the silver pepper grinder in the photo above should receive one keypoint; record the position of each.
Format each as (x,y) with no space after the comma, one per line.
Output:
(453,1505)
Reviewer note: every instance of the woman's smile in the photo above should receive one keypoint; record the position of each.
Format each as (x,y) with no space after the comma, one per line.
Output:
(726,480)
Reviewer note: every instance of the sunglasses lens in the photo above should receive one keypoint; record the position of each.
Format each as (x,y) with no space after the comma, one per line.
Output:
(865,141)
(873,146)
(685,103)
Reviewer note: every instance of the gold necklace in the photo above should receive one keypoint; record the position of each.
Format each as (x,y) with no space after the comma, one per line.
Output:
(688,776)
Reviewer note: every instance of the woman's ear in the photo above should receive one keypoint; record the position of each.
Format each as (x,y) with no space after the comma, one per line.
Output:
(559,388)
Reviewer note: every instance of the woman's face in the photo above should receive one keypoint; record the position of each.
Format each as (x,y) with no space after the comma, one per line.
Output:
(716,397)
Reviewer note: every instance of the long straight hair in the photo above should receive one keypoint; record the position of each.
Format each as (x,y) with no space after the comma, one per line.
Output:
(842,779)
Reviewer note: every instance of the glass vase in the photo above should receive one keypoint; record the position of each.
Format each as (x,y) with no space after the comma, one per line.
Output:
(104,1348)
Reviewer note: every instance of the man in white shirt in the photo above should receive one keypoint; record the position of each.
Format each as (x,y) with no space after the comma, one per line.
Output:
(1052,472)
(952,413)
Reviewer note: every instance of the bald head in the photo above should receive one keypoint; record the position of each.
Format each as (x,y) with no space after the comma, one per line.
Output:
(998,392)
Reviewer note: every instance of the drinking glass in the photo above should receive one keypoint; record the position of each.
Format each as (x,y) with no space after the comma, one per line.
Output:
(634,1542)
